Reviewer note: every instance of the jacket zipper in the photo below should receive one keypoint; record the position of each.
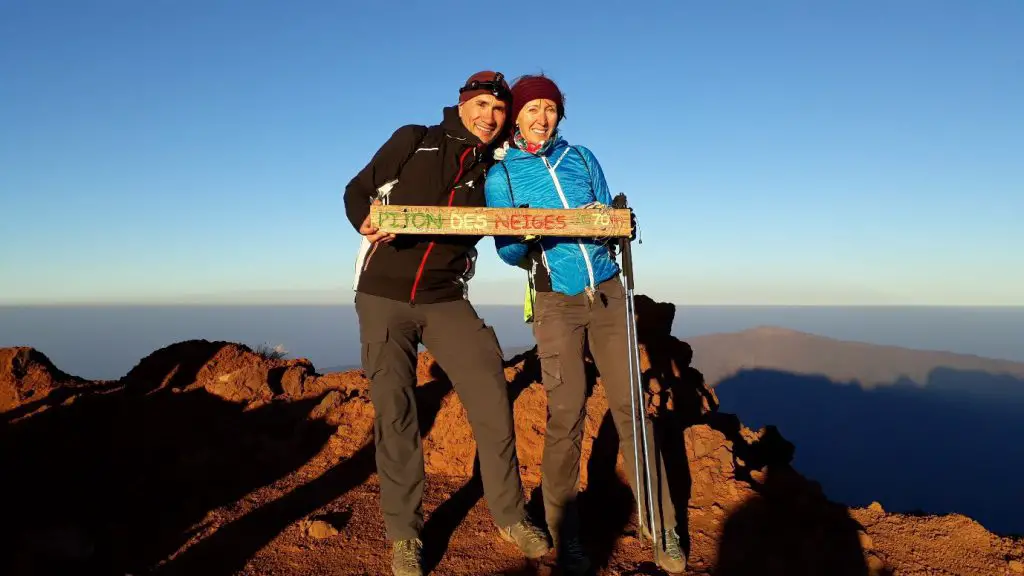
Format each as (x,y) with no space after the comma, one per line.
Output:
(565,202)
(369,257)
(451,198)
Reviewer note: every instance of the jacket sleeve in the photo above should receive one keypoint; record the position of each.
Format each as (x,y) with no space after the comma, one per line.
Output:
(383,167)
(597,182)
(498,195)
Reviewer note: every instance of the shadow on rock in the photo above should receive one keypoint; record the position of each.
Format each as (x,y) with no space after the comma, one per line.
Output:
(116,480)
(788,527)
(606,505)
(30,382)
(440,526)
(228,550)
(946,445)
(676,398)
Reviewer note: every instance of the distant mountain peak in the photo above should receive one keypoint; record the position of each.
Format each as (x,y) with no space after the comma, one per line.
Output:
(775,331)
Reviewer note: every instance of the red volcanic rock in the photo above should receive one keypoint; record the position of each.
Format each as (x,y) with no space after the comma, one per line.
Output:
(27,375)
(209,457)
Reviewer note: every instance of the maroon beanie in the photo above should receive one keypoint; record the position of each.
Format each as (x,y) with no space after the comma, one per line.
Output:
(487,82)
(530,88)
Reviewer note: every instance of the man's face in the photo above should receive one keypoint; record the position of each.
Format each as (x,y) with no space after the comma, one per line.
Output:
(483,115)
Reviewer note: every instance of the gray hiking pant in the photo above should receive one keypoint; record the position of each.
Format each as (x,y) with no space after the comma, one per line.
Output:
(468,352)
(560,325)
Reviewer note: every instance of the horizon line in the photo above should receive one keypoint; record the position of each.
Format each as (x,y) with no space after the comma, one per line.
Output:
(293,304)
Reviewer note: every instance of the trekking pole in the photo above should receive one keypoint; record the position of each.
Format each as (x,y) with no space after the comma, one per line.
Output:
(636,391)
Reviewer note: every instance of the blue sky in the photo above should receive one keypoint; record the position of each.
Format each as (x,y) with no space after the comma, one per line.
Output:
(780,152)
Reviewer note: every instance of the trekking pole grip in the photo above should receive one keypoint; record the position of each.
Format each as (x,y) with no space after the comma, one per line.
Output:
(625,244)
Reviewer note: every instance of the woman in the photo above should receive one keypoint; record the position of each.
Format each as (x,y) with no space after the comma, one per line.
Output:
(578,295)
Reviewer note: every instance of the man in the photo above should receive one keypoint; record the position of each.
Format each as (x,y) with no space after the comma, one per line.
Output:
(411,289)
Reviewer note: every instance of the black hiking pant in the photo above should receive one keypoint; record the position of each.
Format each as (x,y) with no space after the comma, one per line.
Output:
(468,352)
(561,323)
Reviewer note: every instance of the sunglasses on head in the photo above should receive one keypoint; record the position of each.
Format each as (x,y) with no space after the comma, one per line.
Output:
(495,86)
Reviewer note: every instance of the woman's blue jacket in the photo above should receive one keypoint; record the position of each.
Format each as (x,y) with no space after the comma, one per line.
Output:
(562,176)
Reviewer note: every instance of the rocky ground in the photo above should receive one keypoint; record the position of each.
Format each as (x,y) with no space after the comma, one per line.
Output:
(211,458)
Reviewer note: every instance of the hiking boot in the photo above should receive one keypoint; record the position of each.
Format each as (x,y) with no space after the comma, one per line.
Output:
(531,540)
(406,557)
(572,558)
(669,554)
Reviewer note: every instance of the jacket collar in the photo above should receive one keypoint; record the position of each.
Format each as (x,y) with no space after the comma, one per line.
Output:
(555,149)
(453,125)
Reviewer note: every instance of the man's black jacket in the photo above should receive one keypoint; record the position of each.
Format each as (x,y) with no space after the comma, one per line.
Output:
(443,165)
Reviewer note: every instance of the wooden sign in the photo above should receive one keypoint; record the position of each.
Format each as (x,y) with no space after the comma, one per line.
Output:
(461,220)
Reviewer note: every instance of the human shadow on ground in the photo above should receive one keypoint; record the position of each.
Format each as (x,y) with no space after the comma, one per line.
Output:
(446,518)
(228,549)
(891,443)
(113,479)
(788,527)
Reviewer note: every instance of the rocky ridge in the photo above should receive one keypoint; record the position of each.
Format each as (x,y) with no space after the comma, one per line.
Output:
(208,457)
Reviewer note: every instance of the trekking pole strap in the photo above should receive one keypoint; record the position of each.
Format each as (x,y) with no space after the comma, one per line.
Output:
(627,262)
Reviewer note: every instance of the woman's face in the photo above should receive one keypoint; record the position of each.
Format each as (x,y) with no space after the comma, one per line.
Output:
(537,120)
